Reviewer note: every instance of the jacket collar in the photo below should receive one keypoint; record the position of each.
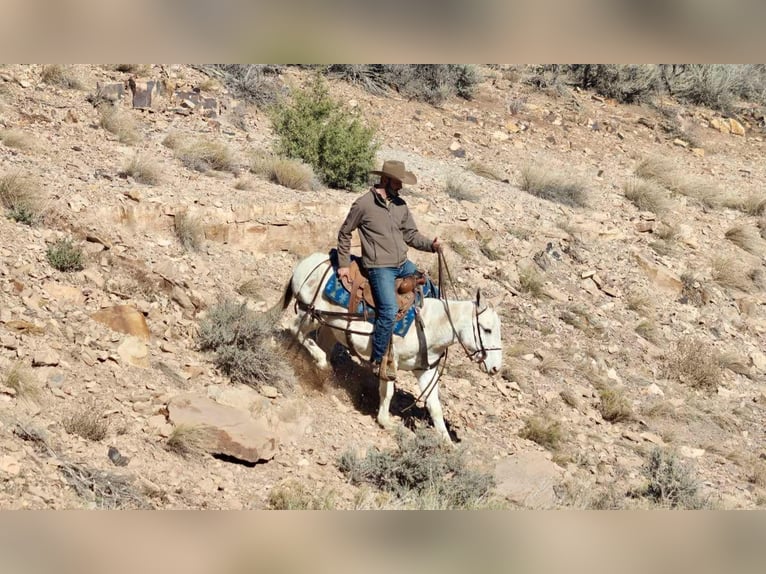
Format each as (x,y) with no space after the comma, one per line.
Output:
(382,202)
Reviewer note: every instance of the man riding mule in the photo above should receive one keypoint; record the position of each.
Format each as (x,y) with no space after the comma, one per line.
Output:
(474,325)
(386,227)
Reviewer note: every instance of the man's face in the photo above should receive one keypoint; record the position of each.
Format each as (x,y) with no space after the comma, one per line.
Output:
(392,186)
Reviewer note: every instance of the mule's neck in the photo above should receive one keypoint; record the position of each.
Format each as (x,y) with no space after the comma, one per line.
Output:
(462,315)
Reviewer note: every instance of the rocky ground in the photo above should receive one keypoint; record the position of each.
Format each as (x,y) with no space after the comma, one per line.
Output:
(619,289)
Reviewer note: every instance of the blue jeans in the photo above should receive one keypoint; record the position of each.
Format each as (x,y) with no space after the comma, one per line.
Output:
(383,291)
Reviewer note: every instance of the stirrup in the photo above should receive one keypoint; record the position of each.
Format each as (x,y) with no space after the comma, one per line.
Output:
(381,371)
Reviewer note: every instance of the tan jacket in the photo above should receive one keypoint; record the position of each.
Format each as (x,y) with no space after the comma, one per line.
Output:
(385,230)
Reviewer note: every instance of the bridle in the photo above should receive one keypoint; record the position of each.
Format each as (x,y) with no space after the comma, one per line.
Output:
(480,354)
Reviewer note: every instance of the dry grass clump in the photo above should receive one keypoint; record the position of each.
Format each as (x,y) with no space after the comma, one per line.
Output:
(173,140)
(460,248)
(143,170)
(459,191)
(670,483)
(640,303)
(21,197)
(88,422)
(244,184)
(553,187)
(189,441)
(727,271)
(291,173)
(490,252)
(249,289)
(542,430)
(241,341)
(23,382)
(63,76)
(614,406)
(569,398)
(662,172)
(119,123)
(293,495)
(581,318)
(695,363)
(422,472)
(694,290)
(648,329)
(646,195)
(135,69)
(735,363)
(666,230)
(531,281)
(484,171)
(17,139)
(656,169)
(752,204)
(189,230)
(105,490)
(747,238)
(205,154)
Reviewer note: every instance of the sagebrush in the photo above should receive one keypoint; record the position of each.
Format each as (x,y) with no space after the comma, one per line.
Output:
(241,341)
(422,468)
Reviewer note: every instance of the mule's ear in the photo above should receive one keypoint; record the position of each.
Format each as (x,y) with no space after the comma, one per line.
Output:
(478,298)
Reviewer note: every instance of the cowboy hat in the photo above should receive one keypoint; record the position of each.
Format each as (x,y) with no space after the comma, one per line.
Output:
(395,170)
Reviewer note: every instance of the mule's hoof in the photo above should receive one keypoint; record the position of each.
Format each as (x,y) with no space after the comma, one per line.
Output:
(386,423)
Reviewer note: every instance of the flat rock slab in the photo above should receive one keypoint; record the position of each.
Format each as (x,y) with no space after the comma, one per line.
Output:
(234,431)
(528,478)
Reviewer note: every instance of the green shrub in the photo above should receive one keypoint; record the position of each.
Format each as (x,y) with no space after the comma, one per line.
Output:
(314,128)
(422,471)
(64,255)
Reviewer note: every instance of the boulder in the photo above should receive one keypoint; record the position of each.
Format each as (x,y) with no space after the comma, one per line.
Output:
(234,432)
(125,319)
(528,478)
(660,275)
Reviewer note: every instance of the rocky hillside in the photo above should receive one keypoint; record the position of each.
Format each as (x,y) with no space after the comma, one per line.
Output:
(624,241)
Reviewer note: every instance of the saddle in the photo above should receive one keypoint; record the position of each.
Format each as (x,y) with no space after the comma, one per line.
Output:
(358,286)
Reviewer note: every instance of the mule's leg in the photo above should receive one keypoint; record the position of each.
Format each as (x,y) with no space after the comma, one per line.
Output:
(386,391)
(300,330)
(428,379)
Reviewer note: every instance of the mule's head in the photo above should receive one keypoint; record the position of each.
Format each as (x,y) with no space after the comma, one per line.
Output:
(487,337)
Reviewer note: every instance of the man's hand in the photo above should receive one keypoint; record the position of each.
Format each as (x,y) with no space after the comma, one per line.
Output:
(343,273)
(436,246)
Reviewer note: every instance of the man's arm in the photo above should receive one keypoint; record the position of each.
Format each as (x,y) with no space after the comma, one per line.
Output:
(414,238)
(352,221)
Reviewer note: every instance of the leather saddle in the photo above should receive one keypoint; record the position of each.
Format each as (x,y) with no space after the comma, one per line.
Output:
(358,286)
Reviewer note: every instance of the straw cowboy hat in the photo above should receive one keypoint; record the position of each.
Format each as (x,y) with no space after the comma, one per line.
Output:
(395,170)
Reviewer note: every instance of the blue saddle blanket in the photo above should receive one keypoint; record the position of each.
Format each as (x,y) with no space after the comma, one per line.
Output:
(337,293)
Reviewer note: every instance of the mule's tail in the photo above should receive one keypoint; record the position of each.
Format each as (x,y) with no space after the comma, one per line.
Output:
(283,303)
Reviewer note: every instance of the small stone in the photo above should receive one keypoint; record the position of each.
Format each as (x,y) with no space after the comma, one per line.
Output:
(690,452)
(680,143)
(45,358)
(736,128)
(269,392)
(759,360)
(645,226)
(655,390)
(698,151)
(652,438)
(9,465)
